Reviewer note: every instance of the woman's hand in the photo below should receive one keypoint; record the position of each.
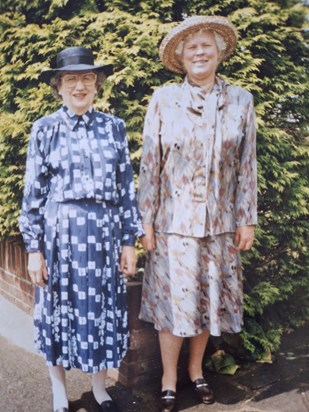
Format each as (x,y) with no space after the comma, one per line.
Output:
(149,240)
(244,237)
(37,268)
(128,261)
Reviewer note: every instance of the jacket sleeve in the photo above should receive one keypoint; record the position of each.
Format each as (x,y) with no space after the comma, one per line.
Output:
(149,176)
(246,191)
(129,213)
(31,221)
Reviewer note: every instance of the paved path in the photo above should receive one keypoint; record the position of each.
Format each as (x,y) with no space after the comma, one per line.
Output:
(282,386)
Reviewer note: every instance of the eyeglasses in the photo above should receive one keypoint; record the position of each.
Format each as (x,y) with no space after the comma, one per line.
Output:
(71,80)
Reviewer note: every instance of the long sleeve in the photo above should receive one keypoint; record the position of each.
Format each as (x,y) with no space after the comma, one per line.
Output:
(131,222)
(246,190)
(35,193)
(149,177)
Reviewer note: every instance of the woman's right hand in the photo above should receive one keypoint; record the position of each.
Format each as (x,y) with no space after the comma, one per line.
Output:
(37,268)
(148,241)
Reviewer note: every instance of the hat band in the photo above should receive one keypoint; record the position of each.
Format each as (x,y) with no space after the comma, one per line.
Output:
(71,60)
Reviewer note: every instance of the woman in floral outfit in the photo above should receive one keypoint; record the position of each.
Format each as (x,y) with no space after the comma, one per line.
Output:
(197,198)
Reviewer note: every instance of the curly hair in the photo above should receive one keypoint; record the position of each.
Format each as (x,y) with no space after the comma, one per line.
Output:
(221,45)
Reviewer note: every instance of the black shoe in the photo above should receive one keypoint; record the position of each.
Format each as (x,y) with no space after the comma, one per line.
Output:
(108,406)
(168,401)
(203,391)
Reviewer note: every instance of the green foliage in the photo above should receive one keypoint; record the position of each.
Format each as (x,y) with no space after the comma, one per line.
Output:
(271,61)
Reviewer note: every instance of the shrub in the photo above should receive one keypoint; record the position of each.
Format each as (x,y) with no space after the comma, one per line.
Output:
(270,61)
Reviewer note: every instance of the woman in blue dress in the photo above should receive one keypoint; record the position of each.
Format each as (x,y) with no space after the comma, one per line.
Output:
(79,222)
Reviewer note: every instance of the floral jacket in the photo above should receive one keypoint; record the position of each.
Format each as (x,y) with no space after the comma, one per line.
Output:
(198,168)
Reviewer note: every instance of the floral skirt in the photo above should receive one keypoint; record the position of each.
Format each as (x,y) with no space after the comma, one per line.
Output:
(80,316)
(192,284)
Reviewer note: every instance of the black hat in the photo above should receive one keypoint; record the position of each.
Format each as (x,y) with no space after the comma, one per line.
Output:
(74,59)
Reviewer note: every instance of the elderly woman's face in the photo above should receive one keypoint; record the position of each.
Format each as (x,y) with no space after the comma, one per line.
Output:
(200,56)
(77,90)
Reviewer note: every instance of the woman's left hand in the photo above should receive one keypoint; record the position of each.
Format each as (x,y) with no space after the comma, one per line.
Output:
(244,237)
(128,261)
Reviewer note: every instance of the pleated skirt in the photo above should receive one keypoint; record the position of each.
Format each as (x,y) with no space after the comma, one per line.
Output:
(193,284)
(80,316)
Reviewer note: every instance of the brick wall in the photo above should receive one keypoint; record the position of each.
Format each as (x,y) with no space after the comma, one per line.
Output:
(15,284)
(142,362)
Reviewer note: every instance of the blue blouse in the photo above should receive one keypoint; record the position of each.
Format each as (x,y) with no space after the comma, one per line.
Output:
(73,157)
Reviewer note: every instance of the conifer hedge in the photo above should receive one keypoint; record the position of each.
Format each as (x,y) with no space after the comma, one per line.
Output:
(271,61)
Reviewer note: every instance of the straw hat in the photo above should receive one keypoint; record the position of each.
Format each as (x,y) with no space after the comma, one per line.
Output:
(219,24)
(74,59)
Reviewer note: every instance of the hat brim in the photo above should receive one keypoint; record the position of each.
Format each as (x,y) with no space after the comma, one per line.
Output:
(219,24)
(46,75)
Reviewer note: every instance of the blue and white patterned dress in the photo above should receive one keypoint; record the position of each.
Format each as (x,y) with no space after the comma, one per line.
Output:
(79,209)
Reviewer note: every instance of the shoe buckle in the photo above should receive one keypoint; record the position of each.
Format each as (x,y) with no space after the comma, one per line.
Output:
(200,385)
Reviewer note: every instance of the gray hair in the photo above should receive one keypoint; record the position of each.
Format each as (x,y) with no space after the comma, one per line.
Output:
(221,44)
(55,82)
